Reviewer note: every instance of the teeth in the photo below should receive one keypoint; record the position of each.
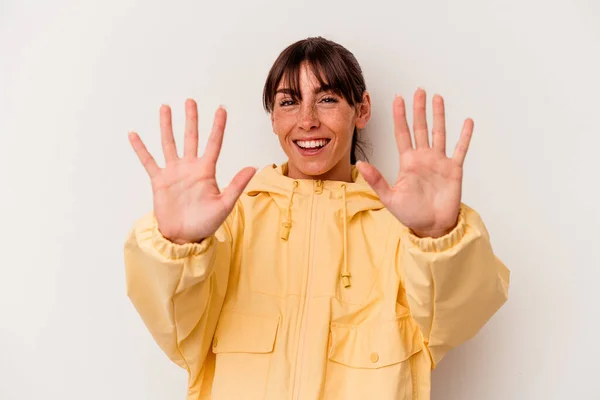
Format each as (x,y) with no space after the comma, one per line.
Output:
(312,144)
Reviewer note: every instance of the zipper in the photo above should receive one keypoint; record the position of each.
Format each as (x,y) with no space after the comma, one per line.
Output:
(319,188)
(304,313)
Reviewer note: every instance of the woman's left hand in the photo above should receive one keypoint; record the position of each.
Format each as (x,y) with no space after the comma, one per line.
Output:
(426,197)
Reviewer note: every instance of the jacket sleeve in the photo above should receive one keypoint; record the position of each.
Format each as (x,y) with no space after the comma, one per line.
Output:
(454,284)
(178,290)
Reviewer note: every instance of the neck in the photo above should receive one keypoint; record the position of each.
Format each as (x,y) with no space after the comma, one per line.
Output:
(342,172)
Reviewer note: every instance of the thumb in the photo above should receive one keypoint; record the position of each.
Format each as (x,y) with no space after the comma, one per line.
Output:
(239,182)
(374,179)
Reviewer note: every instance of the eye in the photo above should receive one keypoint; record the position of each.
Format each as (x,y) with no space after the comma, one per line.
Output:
(286,102)
(329,99)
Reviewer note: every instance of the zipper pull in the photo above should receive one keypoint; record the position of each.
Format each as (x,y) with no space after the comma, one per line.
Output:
(319,188)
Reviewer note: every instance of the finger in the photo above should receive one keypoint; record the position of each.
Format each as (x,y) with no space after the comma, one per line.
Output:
(375,180)
(460,152)
(235,189)
(190,146)
(215,140)
(438,132)
(144,156)
(420,120)
(166,134)
(401,130)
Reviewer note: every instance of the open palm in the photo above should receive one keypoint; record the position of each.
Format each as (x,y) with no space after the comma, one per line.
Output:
(188,204)
(426,196)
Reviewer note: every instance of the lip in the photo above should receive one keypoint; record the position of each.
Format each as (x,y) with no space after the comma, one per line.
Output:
(307,138)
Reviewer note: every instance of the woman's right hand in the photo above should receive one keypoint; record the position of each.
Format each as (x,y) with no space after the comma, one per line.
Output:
(188,204)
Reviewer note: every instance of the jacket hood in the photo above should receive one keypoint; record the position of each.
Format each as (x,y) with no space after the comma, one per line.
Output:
(272,179)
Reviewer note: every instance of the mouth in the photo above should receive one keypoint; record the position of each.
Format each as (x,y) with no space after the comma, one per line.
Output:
(311,147)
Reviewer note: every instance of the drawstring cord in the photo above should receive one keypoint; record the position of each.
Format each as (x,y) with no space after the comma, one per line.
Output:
(345,272)
(286,225)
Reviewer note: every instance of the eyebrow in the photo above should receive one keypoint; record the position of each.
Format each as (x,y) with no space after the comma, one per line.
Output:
(318,89)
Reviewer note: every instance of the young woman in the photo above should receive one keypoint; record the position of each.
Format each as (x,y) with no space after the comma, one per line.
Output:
(314,279)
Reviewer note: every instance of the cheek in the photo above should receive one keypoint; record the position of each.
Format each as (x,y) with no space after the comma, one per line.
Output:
(282,123)
(342,123)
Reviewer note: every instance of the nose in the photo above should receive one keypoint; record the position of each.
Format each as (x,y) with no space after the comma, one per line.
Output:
(308,118)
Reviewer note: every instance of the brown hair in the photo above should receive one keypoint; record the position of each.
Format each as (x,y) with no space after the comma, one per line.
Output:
(333,65)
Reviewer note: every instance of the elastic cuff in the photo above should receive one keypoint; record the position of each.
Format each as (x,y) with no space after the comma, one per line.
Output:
(175,251)
(445,242)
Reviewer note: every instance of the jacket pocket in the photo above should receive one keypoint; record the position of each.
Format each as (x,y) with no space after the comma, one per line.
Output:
(243,345)
(372,360)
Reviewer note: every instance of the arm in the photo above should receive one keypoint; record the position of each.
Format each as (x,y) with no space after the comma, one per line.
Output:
(453,284)
(453,281)
(177,258)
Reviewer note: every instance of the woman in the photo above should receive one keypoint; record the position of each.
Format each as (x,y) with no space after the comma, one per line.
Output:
(313,279)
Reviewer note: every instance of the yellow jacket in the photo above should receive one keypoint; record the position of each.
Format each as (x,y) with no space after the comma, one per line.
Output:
(313,290)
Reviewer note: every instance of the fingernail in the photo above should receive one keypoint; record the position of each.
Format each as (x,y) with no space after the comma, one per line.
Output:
(223,107)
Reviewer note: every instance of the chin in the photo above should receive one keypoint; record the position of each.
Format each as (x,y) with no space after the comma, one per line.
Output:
(312,168)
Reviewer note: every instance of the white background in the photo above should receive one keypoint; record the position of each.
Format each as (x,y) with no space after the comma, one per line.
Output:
(76,76)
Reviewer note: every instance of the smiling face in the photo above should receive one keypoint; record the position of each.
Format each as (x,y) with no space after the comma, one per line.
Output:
(315,127)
